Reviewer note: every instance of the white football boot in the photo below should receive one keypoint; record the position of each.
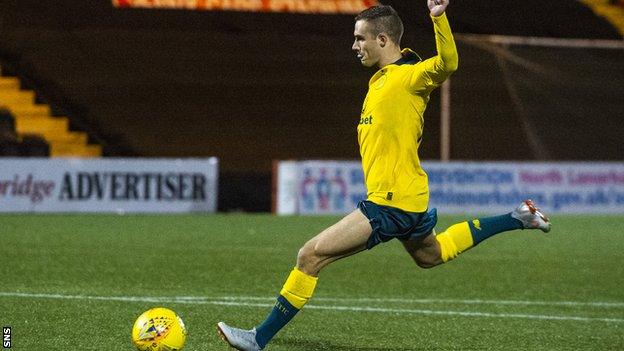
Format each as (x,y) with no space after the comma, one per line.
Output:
(531,217)
(243,340)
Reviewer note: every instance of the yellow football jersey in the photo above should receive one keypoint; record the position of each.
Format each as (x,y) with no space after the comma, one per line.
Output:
(391,123)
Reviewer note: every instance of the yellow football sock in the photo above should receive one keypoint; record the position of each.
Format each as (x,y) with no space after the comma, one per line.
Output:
(298,288)
(455,240)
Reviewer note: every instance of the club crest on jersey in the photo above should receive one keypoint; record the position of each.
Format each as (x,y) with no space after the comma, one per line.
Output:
(380,82)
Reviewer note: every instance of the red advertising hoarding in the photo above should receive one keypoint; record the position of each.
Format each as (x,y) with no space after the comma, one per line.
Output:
(291,6)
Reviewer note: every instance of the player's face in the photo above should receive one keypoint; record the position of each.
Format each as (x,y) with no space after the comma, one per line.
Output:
(366,45)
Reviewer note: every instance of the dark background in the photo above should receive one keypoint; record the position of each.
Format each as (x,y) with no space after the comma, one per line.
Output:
(250,88)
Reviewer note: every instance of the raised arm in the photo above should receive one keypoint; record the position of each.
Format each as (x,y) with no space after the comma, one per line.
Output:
(437,7)
(432,72)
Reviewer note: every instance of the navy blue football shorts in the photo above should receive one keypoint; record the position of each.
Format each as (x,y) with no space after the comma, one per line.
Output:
(390,222)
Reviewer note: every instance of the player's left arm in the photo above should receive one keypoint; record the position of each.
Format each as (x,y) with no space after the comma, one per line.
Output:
(432,72)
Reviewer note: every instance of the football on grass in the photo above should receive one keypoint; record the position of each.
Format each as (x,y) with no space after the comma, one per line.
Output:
(159,329)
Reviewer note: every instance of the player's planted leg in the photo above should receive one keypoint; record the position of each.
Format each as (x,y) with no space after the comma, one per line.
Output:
(297,291)
(343,239)
(243,340)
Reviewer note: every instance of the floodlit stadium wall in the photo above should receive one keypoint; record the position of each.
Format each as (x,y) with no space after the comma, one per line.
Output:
(335,187)
(108,185)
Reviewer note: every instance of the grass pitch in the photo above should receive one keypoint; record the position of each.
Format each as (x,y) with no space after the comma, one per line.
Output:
(77,282)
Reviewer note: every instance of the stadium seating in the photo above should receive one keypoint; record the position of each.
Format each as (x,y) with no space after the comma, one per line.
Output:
(19,146)
(34,146)
(611,10)
(41,134)
(204,82)
(9,144)
(250,88)
(7,124)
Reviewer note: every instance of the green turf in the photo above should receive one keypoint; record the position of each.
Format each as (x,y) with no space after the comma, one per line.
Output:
(93,275)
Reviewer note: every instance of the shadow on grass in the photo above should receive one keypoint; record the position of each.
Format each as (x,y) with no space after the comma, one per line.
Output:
(317,345)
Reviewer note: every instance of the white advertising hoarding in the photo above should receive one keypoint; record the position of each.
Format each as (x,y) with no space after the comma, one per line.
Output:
(108,185)
(335,187)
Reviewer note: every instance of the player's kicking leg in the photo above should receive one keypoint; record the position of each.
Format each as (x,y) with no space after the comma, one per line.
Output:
(531,217)
(432,250)
(342,239)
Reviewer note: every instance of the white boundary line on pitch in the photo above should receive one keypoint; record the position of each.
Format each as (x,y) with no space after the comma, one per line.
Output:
(230,302)
(350,300)
(430,301)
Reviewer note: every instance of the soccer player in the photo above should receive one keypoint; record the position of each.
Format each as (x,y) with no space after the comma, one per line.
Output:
(389,134)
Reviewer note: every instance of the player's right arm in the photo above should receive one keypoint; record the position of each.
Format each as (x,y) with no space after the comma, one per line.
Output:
(430,73)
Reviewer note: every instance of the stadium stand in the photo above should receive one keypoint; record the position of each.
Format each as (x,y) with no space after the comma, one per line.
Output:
(14,145)
(39,132)
(7,125)
(34,146)
(250,88)
(9,145)
(611,10)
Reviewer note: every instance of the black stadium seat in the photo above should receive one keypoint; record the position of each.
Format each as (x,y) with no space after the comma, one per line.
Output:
(34,146)
(10,148)
(30,145)
(7,128)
